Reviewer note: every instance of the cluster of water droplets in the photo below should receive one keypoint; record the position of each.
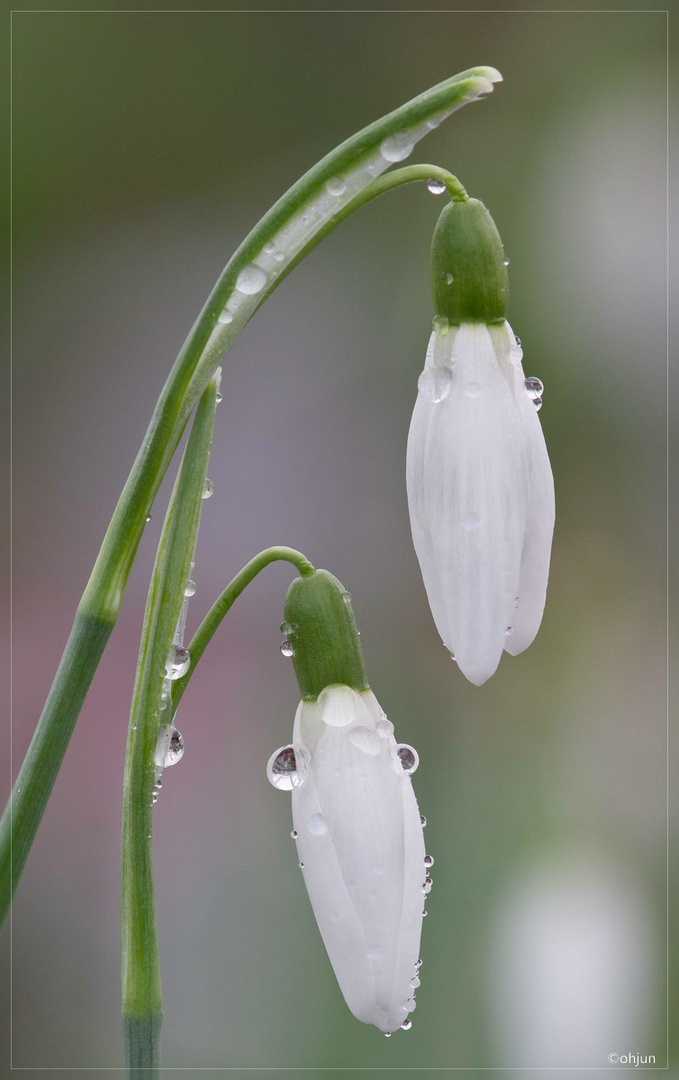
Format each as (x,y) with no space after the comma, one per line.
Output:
(170,742)
(335,192)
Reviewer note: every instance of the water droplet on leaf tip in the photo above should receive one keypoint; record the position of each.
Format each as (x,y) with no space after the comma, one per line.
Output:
(251,280)
(190,588)
(286,648)
(436,186)
(208,489)
(225,317)
(408,758)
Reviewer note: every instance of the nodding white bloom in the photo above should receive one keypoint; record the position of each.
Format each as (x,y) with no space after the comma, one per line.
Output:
(480,487)
(358,831)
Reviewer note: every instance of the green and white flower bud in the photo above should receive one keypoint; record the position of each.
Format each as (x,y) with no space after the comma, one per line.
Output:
(321,628)
(480,487)
(469,275)
(357,825)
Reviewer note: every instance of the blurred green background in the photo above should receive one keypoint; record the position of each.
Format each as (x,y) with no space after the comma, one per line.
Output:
(145,146)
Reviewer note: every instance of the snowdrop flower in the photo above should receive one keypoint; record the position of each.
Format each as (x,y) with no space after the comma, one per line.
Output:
(480,488)
(356,821)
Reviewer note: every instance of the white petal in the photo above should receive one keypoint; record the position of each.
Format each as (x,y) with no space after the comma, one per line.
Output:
(468,493)
(539,525)
(359,837)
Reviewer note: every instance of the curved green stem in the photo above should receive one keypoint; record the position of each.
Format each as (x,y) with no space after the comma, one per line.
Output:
(203,635)
(141,990)
(306,213)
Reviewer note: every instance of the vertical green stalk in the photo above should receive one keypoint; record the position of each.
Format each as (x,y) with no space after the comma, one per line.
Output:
(141,987)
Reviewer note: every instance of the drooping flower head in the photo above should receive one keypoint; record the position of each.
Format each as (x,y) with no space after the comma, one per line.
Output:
(356,821)
(480,488)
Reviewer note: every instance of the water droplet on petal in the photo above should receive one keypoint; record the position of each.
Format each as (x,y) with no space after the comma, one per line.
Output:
(384,727)
(397,147)
(440,324)
(472,389)
(225,317)
(408,758)
(418,964)
(538,403)
(269,247)
(387,1034)
(517,339)
(471,521)
(429,860)
(434,383)
(316,826)
(426,888)
(534,388)
(287,767)
(366,740)
(436,186)
(294,834)
(415,982)
(218,398)
(433,122)
(406,1025)
(375,952)
(336,186)
(190,588)
(279,256)
(286,648)
(423,823)
(336,706)
(411,1004)
(251,280)
(208,489)
(177,662)
(301,865)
